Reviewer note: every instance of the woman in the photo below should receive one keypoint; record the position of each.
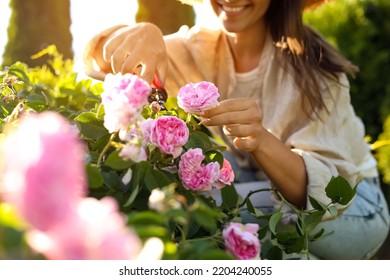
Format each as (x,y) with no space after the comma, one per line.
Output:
(285,109)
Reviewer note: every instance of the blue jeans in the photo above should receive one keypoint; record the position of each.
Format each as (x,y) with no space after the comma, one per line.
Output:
(360,231)
(357,233)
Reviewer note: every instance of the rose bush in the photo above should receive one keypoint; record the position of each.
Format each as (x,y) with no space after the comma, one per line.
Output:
(99,170)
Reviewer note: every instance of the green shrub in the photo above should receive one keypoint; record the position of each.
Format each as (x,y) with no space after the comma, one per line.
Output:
(360,29)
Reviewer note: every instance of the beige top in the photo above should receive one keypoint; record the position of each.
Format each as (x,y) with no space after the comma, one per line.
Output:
(329,147)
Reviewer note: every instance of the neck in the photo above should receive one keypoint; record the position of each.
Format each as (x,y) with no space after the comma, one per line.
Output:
(247,47)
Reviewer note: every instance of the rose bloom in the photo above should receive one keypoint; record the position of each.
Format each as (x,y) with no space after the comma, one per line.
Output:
(194,174)
(96,232)
(226,175)
(134,152)
(170,134)
(242,241)
(123,98)
(43,172)
(196,98)
(146,129)
(132,87)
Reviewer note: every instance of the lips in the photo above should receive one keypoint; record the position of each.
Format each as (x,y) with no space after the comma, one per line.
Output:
(232,9)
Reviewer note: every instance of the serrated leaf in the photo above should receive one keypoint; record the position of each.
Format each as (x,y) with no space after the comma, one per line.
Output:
(90,126)
(274,220)
(155,179)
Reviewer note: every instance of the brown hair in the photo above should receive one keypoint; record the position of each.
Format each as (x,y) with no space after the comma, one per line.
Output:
(308,55)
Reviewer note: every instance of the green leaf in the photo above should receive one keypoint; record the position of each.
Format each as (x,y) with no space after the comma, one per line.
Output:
(317,235)
(206,217)
(145,218)
(274,220)
(291,242)
(155,179)
(318,205)
(214,156)
(274,253)
(313,219)
(333,210)
(250,206)
(116,162)
(90,126)
(340,191)
(112,179)
(97,89)
(95,178)
(229,197)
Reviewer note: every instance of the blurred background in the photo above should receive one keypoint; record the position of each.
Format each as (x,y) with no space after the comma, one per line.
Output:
(360,29)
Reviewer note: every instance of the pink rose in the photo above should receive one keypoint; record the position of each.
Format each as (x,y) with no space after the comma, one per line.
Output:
(226,175)
(133,152)
(43,169)
(123,98)
(194,174)
(196,98)
(170,134)
(132,87)
(97,231)
(241,240)
(146,129)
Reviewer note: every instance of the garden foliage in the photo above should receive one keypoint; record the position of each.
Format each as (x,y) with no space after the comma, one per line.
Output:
(152,193)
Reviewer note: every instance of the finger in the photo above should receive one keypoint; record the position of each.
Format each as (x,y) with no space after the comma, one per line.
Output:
(118,58)
(248,116)
(111,46)
(161,73)
(229,105)
(245,143)
(240,130)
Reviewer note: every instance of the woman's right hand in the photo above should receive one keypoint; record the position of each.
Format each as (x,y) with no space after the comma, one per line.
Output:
(138,49)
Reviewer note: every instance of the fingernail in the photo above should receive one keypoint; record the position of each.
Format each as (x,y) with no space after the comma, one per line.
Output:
(204,121)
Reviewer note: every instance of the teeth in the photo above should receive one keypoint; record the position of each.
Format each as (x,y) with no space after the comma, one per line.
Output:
(232,9)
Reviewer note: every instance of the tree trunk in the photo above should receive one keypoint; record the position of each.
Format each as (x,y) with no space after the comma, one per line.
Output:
(169,15)
(35,24)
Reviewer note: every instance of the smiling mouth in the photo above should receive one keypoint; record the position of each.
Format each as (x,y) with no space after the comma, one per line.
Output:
(229,9)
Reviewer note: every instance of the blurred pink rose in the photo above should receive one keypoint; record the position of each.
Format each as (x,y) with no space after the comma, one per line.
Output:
(135,89)
(194,174)
(43,169)
(170,134)
(133,152)
(98,231)
(226,175)
(196,98)
(123,98)
(242,241)
(146,129)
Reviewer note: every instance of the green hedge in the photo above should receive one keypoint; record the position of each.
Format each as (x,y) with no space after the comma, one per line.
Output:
(360,29)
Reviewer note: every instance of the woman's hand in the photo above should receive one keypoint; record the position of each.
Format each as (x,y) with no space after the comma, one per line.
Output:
(241,119)
(138,49)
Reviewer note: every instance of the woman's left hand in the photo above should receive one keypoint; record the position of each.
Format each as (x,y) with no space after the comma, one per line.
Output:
(240,118)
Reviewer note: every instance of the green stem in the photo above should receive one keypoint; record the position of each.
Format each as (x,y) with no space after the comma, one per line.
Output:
(251,193)
(105,149)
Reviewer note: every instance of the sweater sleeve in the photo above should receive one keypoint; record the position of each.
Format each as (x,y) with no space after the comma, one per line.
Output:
(332,144)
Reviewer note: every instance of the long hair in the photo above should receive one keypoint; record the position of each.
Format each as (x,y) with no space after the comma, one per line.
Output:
(308,55)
